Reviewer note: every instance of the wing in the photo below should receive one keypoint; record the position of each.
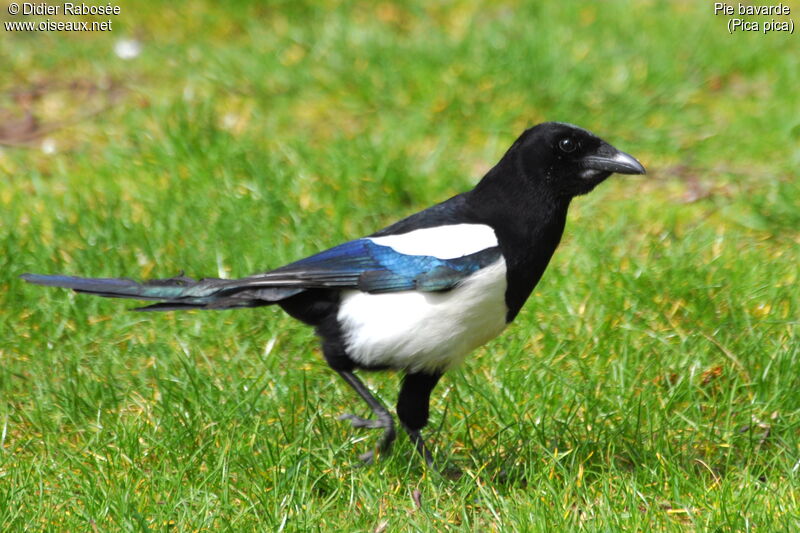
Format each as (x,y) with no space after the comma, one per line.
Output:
(369,266)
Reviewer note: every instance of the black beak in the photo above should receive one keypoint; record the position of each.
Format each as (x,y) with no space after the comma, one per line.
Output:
(609,159)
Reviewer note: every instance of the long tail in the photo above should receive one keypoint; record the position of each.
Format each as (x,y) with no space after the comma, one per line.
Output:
(175,293)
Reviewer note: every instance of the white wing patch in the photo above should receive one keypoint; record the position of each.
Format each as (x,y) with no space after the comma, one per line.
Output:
(425,330)
(444,242)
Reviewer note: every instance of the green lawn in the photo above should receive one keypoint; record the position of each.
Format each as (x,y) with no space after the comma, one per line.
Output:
(651,382)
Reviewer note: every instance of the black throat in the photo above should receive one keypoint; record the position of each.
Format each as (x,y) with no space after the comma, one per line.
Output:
(528,218)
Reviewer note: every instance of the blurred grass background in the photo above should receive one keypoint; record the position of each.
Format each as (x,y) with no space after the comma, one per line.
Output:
(651,383)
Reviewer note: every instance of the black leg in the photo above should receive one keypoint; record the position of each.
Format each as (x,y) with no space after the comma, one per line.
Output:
(413,407)
(384,417)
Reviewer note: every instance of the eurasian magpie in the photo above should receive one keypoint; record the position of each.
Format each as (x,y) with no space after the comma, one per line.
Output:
(422,293)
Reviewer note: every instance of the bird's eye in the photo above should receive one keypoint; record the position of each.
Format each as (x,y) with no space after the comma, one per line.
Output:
(567,144)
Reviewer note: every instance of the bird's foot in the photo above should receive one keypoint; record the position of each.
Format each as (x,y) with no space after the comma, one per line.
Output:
(447,471)
(383,422)
(419,444)
(369,423)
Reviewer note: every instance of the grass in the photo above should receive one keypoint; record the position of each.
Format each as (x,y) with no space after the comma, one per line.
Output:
(651,382)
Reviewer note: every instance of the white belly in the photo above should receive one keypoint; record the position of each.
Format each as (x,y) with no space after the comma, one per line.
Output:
(425,330)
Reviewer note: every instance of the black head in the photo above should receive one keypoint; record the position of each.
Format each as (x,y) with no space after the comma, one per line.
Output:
(569,160)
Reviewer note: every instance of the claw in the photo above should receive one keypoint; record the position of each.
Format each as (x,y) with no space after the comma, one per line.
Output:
(419,444)
(358,422)
(385,442)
